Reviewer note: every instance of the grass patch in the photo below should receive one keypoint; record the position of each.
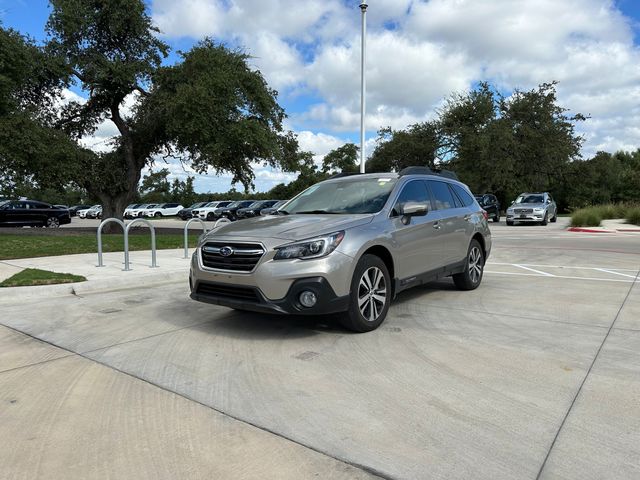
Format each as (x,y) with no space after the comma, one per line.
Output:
(593,216)
(13,246)
(32,276)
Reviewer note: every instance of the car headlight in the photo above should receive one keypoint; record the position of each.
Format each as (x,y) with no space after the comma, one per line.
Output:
(509,211)
(313,248)
(538,210)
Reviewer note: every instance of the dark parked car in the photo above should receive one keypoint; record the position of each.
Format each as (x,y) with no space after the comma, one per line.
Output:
(490,204)
(230,210)
(255,208)
(272,210)
(73,211)
(187,213)
(20,213)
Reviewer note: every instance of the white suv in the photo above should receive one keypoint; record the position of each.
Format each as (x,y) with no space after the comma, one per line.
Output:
(163,210)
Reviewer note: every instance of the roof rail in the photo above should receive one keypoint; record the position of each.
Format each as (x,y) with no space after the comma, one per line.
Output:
(343,174)
(427,171)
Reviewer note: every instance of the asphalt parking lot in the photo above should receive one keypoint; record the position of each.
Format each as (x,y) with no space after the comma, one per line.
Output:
(536,374)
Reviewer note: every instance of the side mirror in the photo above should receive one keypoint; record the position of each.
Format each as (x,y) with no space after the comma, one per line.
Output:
(413,209)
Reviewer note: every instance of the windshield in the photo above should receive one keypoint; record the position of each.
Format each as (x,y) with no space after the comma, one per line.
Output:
(196,205)
(343,197)
(256,204)
(530,199)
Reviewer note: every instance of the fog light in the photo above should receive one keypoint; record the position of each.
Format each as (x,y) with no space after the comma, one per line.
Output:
(308,299)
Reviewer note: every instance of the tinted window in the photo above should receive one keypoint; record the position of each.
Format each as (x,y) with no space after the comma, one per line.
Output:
(441,195)
(466,198)
(456,201)
(37,205)
(415,191)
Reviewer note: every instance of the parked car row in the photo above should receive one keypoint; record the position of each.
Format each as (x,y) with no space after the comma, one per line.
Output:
(232,210)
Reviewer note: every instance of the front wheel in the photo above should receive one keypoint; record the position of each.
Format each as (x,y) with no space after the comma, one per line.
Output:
(544,220)
(555,218)
(496,219)
(509,223)
(157,215)
(370,295)
(53,222)
(210,216)
(472,276)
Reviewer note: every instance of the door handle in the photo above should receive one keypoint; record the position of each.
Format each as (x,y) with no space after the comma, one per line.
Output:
(437,225)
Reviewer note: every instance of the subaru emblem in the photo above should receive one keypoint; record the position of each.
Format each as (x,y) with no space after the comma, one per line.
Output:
(226,251)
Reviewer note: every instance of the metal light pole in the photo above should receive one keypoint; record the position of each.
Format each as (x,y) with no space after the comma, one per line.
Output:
(363,8)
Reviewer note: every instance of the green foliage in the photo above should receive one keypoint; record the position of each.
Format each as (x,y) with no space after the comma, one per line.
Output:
(32,276)
(342,159)
(633,215)
(586,217)
(397,149)
(593,216)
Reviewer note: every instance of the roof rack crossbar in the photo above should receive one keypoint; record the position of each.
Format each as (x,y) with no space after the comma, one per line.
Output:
(427,171)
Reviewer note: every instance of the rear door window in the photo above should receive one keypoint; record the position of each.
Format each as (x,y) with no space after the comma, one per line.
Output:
(442,196)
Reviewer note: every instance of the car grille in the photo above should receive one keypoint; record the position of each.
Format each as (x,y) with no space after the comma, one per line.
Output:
(232,292)
(523,210)
(243,257)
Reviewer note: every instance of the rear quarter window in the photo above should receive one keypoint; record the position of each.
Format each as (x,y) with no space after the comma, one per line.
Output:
(465,197)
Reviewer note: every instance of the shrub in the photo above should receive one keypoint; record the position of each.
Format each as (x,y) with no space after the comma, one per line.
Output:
(633,215)
(586,217)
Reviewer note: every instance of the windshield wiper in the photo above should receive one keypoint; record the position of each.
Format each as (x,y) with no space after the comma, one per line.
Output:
(317,212)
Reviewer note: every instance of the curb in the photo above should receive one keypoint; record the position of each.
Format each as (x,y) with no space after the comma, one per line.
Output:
(9,295)
(589,230)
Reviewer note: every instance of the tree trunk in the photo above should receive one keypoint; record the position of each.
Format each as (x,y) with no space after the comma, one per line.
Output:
(113,207)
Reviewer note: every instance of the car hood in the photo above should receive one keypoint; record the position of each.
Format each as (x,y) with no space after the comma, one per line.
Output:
(290,227)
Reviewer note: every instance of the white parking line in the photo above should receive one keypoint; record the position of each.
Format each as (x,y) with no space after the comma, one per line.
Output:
(560,276)
(615,273)
(566,266)
(533,270)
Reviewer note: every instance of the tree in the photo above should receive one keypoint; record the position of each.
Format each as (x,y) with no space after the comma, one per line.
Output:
(210,109)
(342,159)
(396,149)
(155,187)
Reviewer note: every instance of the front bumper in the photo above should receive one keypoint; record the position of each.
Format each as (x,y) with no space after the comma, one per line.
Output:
(528,217)
(252,298)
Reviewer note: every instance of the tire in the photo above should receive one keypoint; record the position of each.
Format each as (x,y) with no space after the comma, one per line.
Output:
(210,217)
(555,218)
(509,223)
(471,278)
(496,219)
(157,214)
(544,220)
(371,275)
(53,222)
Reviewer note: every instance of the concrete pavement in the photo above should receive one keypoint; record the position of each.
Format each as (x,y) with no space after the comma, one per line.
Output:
(533,375)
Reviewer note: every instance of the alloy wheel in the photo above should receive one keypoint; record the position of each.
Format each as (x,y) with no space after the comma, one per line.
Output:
(372,294)
(475,264)
(53,222)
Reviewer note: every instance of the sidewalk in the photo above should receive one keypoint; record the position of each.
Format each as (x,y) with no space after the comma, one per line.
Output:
(171,268)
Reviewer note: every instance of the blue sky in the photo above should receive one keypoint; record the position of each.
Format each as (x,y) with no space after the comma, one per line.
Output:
(419,52)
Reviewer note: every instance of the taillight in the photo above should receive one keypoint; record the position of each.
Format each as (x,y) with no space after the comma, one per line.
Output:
(485,214)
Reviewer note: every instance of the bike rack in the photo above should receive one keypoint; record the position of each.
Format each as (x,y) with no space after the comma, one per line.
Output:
(186,233)
(126,243)
(102,224)
(215,225)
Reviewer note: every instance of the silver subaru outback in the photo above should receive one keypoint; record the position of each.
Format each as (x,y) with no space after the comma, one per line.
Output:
(346,246)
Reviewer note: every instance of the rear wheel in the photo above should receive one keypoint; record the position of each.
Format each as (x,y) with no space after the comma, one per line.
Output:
(472,276)
(370,295)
